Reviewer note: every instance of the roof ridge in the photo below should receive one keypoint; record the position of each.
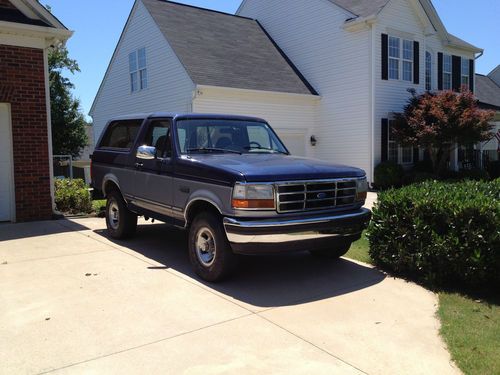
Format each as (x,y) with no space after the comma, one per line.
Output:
(205,9)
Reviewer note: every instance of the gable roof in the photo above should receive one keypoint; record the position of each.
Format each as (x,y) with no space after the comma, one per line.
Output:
(220,49)
(16,16)
(361,8)
(487,91)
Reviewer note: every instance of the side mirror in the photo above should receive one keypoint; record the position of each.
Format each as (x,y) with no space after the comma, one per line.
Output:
(146,153)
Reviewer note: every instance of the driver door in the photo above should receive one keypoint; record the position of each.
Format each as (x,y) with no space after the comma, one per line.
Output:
(154,178)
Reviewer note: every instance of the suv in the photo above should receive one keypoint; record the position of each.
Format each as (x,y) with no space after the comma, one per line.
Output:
(229,181)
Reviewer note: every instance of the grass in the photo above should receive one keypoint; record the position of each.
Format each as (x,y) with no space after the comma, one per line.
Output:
(470,327)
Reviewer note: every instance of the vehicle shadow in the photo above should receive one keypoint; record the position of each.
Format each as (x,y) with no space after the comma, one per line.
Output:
(263,281)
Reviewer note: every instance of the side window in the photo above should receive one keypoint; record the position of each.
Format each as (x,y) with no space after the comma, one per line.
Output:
(121,135)
(159,136)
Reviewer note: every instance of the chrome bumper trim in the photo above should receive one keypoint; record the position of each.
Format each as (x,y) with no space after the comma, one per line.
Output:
(305,229)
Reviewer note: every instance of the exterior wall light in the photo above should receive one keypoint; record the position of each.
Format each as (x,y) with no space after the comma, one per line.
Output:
(314,141)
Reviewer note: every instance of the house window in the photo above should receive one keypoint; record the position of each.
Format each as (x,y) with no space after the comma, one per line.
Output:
(465,72)
(428,71)
(447,70)
(138,70)
(399,154)
(400,59)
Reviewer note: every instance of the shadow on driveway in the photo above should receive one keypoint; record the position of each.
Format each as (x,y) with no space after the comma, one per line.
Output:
(263,281)
(11,231)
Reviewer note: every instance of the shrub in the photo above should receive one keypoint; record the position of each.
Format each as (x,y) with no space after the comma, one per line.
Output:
(466,174)
(440,234)
(388,174)
(72,196)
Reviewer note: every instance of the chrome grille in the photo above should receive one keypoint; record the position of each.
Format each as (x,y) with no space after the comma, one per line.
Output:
(315,195)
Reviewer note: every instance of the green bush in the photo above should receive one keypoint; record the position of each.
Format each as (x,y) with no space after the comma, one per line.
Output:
(72,196)
(388,174)
(440,234)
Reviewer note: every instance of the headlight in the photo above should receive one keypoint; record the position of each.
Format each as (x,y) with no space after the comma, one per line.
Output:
(253,196)
(361,189)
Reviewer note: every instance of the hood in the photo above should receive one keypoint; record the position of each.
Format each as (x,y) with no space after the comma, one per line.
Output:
(276,167)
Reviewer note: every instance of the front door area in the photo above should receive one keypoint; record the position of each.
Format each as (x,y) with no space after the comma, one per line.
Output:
(7,204)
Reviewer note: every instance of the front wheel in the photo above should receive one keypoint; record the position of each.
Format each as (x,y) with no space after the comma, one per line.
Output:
(120,221)
(334,252)
(209,250)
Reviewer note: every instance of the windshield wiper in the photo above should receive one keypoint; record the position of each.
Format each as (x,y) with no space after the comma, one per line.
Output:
(249,148)
(213,149)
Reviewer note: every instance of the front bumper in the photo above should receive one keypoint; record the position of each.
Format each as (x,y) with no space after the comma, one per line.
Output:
(274,235)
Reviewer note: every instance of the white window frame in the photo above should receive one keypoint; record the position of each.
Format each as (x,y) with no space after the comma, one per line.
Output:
(394,149)
(400,59)
(463,75)
(447,72)
(428,71)
(138,71)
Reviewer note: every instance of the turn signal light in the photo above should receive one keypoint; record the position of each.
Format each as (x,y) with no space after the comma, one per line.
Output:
(361,196)
(253,203)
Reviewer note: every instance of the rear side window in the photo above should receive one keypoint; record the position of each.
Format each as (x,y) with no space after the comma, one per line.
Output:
(121,135)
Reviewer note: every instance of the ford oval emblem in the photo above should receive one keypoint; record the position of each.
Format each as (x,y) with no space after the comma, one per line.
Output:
(321,195)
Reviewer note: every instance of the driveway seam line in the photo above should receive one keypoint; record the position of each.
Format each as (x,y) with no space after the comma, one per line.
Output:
(146,344)
(312,344)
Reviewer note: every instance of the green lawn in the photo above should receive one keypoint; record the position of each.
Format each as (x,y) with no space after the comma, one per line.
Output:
(470,327)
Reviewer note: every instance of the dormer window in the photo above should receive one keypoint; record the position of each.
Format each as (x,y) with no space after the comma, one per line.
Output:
(138,70)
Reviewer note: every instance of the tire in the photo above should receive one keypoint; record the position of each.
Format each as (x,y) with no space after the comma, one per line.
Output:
(209,251)
(120,221)
(334,252)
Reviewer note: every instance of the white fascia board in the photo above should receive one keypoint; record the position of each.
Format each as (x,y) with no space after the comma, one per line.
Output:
(35,31)
(260,93)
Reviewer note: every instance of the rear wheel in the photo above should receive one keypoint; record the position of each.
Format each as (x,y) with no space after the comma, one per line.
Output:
(334,252)
(209,250)
(120,221)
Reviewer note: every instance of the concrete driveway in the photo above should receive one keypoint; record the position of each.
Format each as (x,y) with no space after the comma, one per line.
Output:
(73,301)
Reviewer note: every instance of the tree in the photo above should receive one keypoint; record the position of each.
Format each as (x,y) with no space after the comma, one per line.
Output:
(441,122)
(68,123)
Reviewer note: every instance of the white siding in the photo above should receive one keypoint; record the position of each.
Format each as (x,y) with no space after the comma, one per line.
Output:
(337,64)
(292,117)
(169,86)
(400,16)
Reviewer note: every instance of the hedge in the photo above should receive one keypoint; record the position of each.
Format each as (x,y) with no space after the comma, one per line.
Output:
(72,196)
(440,234)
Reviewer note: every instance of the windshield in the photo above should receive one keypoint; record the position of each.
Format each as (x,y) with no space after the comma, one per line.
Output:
(231,136)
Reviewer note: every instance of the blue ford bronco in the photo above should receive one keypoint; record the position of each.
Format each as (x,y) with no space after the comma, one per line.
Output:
(229,181)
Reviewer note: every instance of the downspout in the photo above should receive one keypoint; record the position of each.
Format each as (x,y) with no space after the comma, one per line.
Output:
(372,104)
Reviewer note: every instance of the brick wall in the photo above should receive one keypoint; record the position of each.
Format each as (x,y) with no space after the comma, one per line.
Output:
(6,4)
(22,84)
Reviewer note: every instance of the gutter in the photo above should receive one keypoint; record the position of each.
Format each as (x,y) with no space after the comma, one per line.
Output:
(35,31)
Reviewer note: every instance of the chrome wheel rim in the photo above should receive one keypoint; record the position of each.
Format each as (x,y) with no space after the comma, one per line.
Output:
(205,246)
(114,215)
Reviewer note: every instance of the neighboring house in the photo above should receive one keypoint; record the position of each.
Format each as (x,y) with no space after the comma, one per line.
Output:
(335,71)
(488,94)
(27,30)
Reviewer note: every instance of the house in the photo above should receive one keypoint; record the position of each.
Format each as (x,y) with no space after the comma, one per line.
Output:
(488,95)
(327,74)
(27,30)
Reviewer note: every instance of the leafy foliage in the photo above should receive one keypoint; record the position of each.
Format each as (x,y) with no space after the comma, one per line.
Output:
(439,122)
(68,123)
(441,234)
(388,174)
(73,196)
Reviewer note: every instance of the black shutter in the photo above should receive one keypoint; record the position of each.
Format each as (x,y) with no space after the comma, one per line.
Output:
(416,63)
(472,75)
(385,139)
(416,154)
(385,57)
(457,72)
(440,71)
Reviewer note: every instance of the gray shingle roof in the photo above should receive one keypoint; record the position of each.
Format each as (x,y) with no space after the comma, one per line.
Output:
(361,8)
(487,91)
(220,49)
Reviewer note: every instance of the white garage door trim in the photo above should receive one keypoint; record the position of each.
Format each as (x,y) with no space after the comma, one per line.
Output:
(7,166)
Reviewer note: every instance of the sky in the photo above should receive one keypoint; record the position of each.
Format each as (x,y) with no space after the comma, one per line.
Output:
(98,24)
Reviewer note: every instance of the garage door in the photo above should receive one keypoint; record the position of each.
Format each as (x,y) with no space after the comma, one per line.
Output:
(6,180)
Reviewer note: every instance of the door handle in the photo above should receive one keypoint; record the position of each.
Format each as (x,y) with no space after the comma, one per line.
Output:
(139,165)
